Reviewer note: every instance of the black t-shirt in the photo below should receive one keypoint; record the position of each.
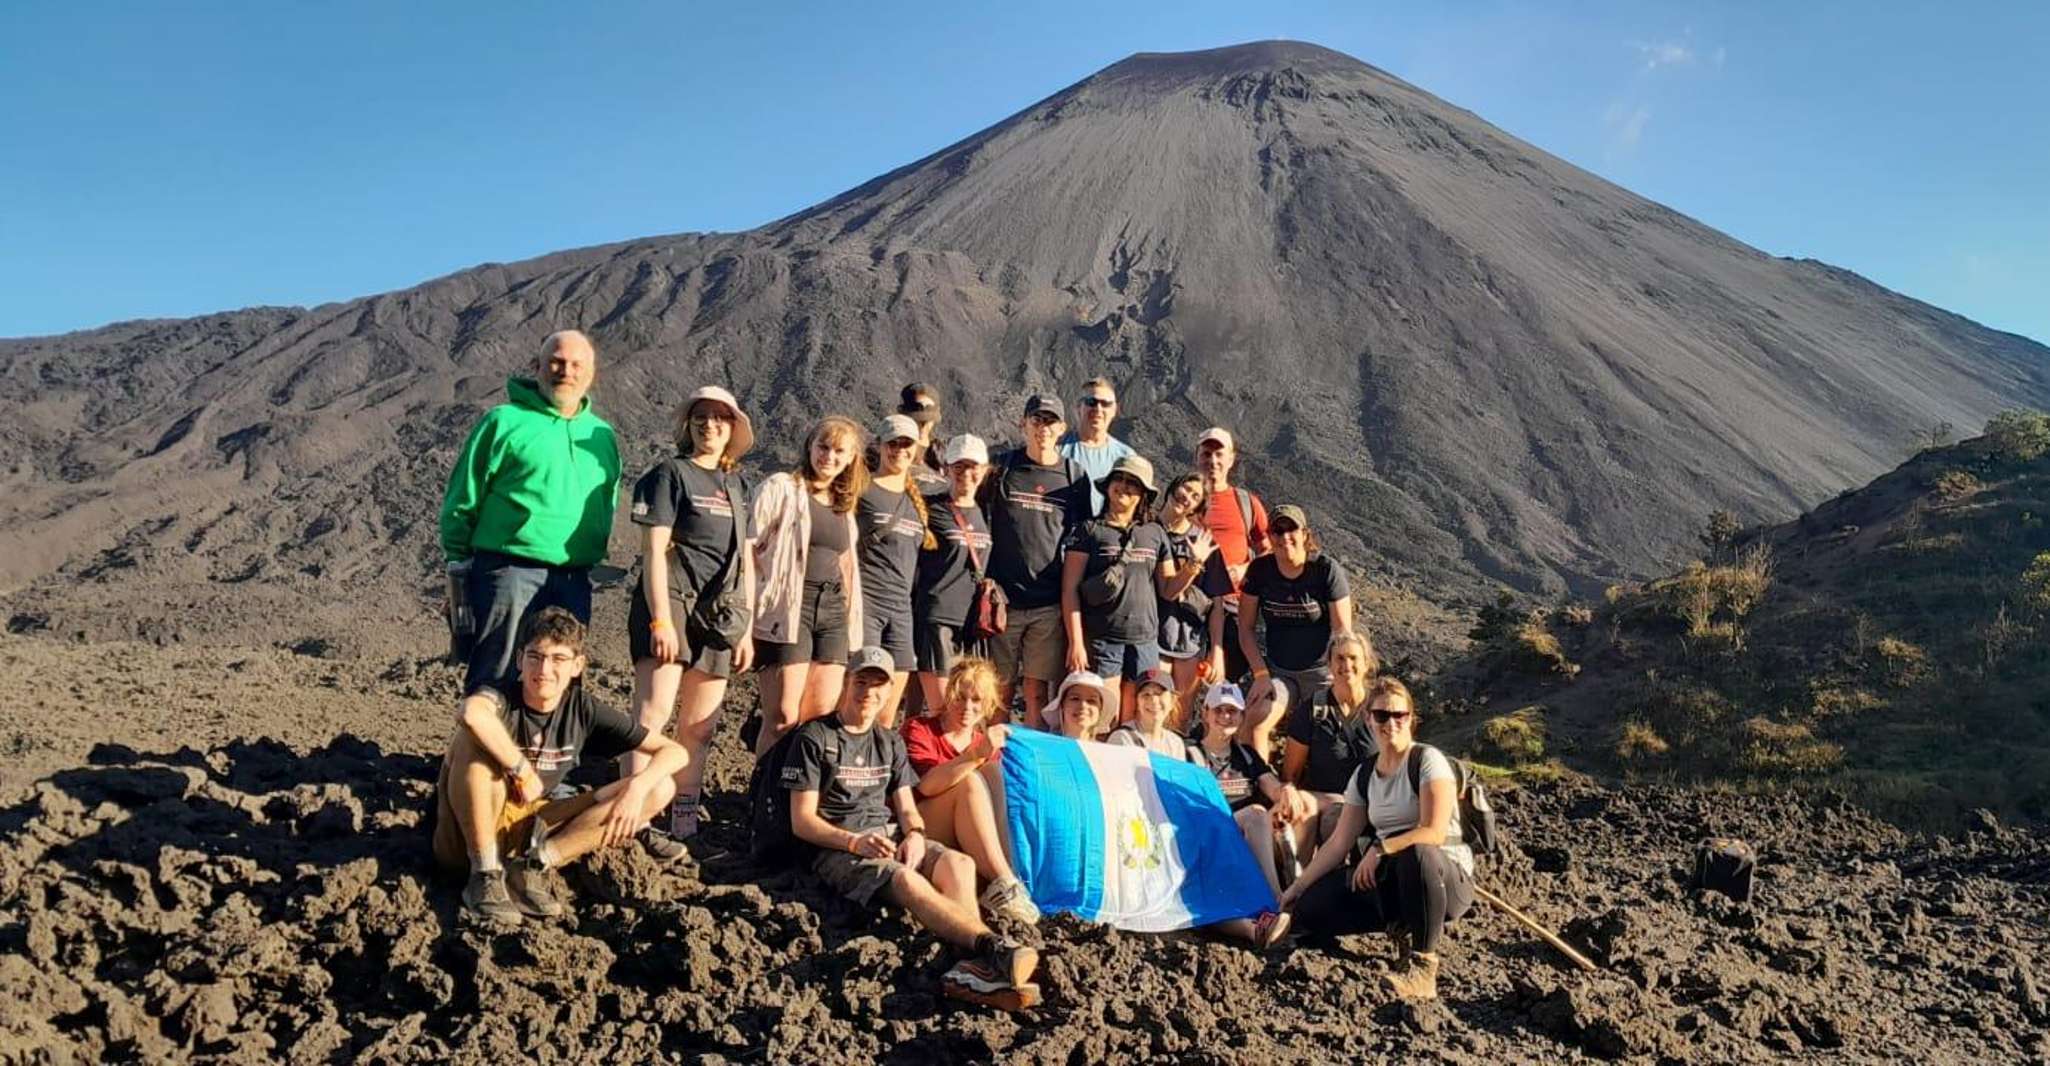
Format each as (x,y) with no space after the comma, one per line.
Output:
(828,543)
(1030,509)
(692,501)
(1238,771)
(889,530)
(1133,617)
(1297,610)
(854,773)
(946,578)
(555,741)
(1338,742)
(1182,629)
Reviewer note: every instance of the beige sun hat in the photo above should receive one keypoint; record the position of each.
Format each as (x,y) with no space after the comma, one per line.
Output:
(743,427)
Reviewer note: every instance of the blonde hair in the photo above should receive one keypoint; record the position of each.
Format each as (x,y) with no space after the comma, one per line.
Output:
(976,676)
(1358,640)
(848,487)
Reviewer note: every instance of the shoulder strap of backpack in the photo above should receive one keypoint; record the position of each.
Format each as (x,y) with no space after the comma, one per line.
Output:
(1245,511)
(1416,768)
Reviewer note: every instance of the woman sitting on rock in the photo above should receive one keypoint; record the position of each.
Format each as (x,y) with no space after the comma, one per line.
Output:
(952,751)
(1328,737)
(1303,597)
(1151,728)
(1244,777)
(1418,873)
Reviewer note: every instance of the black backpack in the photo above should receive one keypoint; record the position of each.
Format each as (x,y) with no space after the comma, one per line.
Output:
(1476,818)
(771,844)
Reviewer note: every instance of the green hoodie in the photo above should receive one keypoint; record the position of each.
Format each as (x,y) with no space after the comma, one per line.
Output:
(532,483)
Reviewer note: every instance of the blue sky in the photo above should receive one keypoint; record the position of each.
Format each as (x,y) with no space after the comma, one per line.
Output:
(167,160)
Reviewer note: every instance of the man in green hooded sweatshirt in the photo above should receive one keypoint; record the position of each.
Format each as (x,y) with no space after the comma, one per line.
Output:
(529,504)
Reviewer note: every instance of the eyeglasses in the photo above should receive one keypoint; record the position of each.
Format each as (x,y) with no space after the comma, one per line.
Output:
(1385,717)
(710,415)
(535,658)
(1097,401)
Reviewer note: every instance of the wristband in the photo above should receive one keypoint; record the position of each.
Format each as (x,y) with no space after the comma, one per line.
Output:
(1262,675)
(658,625)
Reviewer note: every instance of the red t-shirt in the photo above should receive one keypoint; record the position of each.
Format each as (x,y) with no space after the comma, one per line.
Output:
(1228,528)
(926,743)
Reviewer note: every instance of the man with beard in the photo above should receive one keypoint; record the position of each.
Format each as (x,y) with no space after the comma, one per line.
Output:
(529,506)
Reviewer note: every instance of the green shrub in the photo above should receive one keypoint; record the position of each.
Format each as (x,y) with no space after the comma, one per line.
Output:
(2035,585)
(2019,435)
(1514,738)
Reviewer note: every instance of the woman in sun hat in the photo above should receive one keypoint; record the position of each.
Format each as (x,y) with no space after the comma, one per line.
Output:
(1109,599)
(692,510)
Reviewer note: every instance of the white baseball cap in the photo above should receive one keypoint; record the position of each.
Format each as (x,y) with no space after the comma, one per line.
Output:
(967,446)
(1218,434)
(897,427)
(1224,694)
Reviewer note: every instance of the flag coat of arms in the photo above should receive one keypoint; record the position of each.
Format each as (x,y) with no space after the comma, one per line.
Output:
(1123,836)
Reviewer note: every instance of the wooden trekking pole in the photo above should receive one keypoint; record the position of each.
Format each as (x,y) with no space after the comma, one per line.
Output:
(1543,933)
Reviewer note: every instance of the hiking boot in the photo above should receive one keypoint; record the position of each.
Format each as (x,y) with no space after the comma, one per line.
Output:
(485,897)
(1012,961)
(1416,981)
(1269,928)
(1007,896)
(1398,938)
(976,981)
(660,846)
(532,891)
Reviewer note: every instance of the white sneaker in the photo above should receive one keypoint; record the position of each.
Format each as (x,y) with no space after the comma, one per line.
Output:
(1007,896)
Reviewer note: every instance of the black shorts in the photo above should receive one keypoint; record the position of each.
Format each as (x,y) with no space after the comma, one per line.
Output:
(940,646)
(888,627)
(693,650)
(821,631)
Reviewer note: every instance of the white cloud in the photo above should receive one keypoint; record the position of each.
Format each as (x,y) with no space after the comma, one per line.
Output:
(1626,123)
(1666,54)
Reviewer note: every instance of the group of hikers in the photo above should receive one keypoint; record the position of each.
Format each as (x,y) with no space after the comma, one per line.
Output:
(1058,585)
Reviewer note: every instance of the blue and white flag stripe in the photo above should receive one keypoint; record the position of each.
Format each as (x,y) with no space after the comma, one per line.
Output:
(1123,836)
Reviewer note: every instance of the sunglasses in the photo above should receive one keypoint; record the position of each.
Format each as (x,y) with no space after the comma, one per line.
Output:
(1385,717)
(900,442)
(1098,401)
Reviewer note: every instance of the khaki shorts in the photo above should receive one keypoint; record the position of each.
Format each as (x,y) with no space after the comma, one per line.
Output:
(515,824)
(860,879)
(1034,644)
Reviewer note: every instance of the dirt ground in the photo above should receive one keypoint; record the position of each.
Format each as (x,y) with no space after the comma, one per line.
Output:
(220,854)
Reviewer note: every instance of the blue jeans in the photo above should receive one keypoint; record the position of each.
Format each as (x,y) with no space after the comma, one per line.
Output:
(505,591)
(1112,659)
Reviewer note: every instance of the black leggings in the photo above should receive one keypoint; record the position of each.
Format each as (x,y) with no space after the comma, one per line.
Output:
(1419,887)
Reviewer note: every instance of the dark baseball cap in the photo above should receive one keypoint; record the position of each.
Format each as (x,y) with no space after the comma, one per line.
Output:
(1044,405)
(920,402)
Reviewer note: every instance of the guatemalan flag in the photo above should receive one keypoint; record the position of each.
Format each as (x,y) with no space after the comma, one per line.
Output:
(1123,836)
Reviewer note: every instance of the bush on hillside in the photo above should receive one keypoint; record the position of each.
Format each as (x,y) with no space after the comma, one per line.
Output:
(2019,435)
(1701,595)
(1720,533)
(1906,665)
(2035,585)
(1514,738)
(1769,747)
(1640,743)
(1954,485)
